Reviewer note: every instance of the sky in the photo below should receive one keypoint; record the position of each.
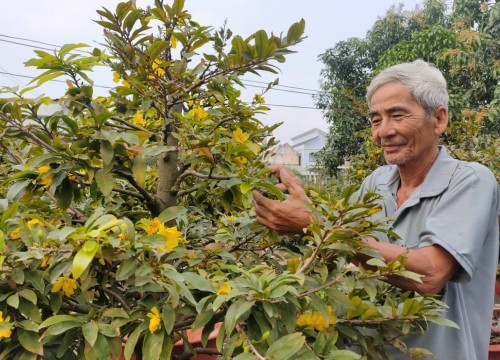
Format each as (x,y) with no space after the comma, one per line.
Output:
(61,22)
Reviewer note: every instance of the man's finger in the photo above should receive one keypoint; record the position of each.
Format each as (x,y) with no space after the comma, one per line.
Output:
(291,182)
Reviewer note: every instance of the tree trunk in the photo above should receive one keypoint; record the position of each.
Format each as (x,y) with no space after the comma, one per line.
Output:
(168,169)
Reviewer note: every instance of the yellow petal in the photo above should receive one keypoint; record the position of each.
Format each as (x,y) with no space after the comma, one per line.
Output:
(224,289)
(57,284)
(43,169)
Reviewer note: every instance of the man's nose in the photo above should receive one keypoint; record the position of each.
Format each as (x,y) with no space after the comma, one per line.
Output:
(386,128)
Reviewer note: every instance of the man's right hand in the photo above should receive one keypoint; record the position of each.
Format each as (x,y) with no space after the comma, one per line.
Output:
(290,216)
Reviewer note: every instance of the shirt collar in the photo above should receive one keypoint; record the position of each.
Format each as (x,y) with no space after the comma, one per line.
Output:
(436,181)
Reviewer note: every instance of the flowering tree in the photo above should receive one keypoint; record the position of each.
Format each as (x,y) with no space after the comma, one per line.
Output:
(128,219)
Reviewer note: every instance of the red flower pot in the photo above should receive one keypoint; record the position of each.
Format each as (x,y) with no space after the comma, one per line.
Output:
(494,352)
(194,338)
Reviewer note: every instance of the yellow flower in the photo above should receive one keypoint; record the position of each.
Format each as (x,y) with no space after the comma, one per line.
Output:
(156,68)
(360,172)
(259,99)
(101,99)
(316,320)
(173,41)
(45,261)
(125,83)
(240,136)
(47,180)
(223,289)
(293,264)
(34,222)
(116,77)
(15,234)
(199,112)
(138,120)
(5,333)
(154,226)
(43,169)
(155,321)
(240,160)
(67,285)
(172,237)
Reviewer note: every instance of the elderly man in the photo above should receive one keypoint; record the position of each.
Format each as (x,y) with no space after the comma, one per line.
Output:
(445,210)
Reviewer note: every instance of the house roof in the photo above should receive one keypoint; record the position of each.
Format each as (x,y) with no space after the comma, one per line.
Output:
(310,134)
(306,136)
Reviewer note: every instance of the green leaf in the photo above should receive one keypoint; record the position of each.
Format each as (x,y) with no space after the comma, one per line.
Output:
(28,295)
(107,153)
(295,31)
(104,181)
(64,194)
(202,319)
(69,47)
(126,269)
(83,258)
(29,340)
(342,355)
(115,313)
(376,262)
(171,213)
(108,330)
(245,356)
(412,306)
(132,340)
(261,44)
(245,187)
(286,347)
(152,346)
(13,301)
(61,328)
(235,312)
(139,168)
(90,331)
(440,320)
(58,319)
(28,325)
(198,282)
(9,213)
(168,317)
(100,348)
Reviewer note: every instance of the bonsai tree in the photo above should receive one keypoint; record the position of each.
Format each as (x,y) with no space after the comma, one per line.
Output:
(128,219)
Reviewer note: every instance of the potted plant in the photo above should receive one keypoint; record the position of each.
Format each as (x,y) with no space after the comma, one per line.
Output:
(127,219)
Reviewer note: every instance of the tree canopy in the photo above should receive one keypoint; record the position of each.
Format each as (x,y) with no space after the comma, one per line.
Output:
(127,219)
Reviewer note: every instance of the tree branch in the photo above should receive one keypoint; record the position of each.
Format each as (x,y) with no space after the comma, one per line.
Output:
(117,297)
(249,343)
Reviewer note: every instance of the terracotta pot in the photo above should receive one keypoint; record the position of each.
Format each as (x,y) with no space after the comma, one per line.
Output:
(494,352)
(497,287)
(195,340)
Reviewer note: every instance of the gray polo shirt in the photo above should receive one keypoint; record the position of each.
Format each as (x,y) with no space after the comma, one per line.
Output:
(457,208)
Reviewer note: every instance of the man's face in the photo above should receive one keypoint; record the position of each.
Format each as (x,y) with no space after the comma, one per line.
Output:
(401,127)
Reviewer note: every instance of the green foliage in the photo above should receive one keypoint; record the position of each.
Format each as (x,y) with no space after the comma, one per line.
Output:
(128,219)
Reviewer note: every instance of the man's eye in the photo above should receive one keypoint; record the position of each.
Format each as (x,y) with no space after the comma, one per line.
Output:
(375,121)
(398,116)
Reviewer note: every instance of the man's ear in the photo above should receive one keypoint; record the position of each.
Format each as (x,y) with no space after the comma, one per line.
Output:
(440,116)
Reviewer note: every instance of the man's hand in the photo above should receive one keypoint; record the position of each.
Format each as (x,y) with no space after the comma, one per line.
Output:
(285,217)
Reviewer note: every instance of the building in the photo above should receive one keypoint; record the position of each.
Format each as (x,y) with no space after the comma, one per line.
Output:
(300,155)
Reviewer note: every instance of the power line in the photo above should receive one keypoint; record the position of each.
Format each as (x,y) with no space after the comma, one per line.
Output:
(31,46)
(109,87)
(309,91)
(30,40)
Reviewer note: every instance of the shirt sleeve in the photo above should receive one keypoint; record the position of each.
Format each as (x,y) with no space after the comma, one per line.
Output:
(464,218)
